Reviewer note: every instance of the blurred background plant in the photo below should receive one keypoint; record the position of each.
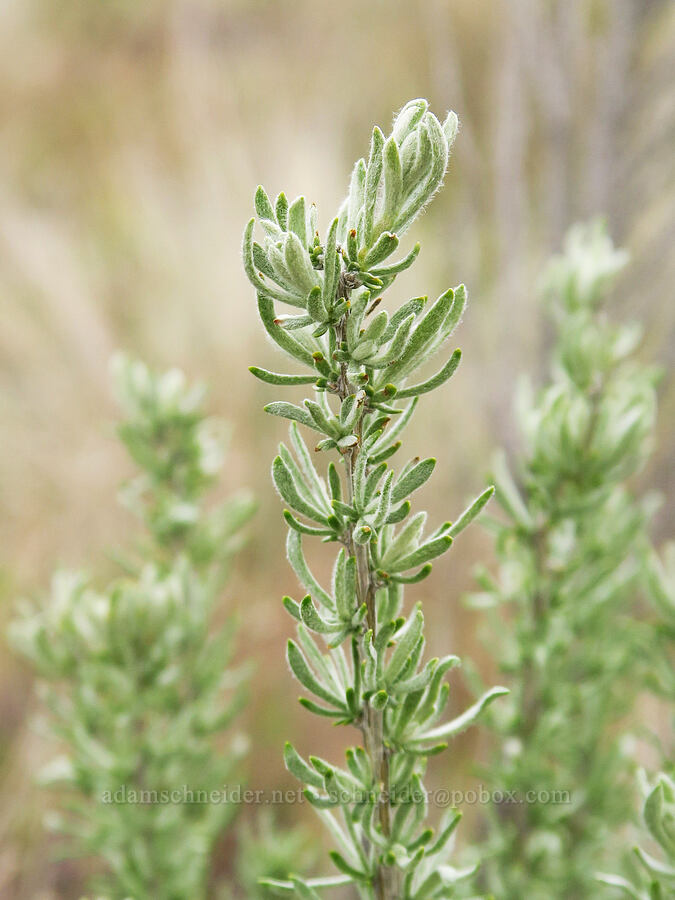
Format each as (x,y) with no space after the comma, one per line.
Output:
(132,137)
(266,850)
(571,552)
(654,876)
(140,693)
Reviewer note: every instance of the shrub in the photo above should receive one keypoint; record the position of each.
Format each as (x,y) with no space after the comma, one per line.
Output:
(138,688)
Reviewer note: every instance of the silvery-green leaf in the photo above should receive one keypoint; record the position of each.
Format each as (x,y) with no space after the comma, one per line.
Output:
(467,718)
(276,378)
(297,220)
(471,512)
(373,174)
(413,479)
(435,381)
(263,207)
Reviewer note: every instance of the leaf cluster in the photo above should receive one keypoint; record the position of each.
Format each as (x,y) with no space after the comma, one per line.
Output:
(358,653)
(655,879)
(137,683)
(572,550)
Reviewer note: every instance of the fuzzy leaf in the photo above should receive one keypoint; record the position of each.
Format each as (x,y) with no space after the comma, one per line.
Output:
(435,381)
(413,479)
(275,378)
(461,723)
(471,512)
(307,678)
(285,341)
(286,485)
(406,641)
(298,767)
(297,220)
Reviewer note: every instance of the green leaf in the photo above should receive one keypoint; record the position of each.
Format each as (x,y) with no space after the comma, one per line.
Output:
(281,210)
(417,682)
(298,767)
(299,565)
(424,336)
(303,890)
(461,723)
(410,307)
(297,220)
(450,823)
(285,341)
(314,621)
(507,493)
(396,268)
(373,174)
(345,510)
(334,482)
(275,378)
(316,307)
(263,286)
(294,323)
(321,422)
(345,585)
(413,479)
(292,608)
(290,411)
(393,431)
(307,678)
(655,867)
(379,700)
(405,541)
(653,814)
(406,641)
(301,527)
(407,119)
(457,310)
(296,884)
(393,182)
(398,514)
(263,207)
(384,503)
(341,863)
(376,327)
(384,358)
(331,267)
(471,512)
(621,883)
(313,707)
(285,484)
(384,454)
(357,187)
(307,466)
(423,573)
(435,381)
(384,247)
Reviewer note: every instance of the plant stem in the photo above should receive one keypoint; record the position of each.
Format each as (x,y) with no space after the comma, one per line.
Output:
(372,724)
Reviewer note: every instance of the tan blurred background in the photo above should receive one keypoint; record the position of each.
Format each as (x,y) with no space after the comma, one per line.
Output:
(133,137)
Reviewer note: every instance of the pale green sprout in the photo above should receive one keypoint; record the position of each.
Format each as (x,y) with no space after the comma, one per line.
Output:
(358,652)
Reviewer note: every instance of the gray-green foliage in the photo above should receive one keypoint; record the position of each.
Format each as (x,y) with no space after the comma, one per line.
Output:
(655,875)
(571,552)
(269,850)
(358,652)
(136,682)
(660,588)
